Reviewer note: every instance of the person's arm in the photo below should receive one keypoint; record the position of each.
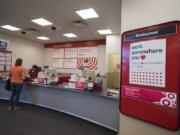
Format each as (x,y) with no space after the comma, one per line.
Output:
(29,72)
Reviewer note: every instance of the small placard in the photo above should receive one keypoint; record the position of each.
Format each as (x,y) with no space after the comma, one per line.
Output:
(57,63)
(71,52)
(1,67)
(2,54)
(2,58)
(70,63)
(58,53)
(8,67)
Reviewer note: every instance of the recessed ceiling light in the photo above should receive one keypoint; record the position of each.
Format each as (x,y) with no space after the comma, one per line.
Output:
(43,38)
(87,13)
(105,32)
(9,27)
(42,22)
(70,35)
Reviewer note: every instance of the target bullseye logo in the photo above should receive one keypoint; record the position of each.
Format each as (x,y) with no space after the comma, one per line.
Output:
(166,102)
(169,100)
(171,96)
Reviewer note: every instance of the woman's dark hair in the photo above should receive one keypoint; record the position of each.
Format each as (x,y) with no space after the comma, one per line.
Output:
(18,62)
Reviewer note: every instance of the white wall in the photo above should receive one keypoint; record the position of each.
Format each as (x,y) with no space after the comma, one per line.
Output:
(31,52)
(137,14)
(113,45)
(141,13)
(48,53)
(131,126)
(101,60)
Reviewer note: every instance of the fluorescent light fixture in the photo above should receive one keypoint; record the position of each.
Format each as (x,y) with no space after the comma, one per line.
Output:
(43,38)
(87,13)
(9,27)
(42,22)
(105,32)
(70,35)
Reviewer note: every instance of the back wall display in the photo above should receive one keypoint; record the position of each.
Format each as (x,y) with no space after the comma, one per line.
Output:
(70,63)
(71,52)
(88,58)
(5,60)
(73,58)
(58,53)
(58,63)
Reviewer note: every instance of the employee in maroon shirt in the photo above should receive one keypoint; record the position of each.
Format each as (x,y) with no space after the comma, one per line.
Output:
(33,72)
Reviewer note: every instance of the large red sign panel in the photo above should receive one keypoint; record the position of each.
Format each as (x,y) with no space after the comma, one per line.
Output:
(150,78)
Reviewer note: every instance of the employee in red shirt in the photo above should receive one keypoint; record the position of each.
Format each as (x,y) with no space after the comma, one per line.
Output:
(33,72)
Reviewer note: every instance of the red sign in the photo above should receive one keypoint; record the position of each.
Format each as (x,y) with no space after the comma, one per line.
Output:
(80,85)
(150,79)
(152,96)
(76,44)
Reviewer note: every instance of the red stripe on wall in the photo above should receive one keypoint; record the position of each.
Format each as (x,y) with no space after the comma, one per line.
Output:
(75,44)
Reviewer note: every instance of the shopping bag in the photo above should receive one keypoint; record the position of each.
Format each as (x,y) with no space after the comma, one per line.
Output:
(8,85)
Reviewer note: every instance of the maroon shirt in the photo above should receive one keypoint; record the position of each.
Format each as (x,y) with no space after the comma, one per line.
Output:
(33,73)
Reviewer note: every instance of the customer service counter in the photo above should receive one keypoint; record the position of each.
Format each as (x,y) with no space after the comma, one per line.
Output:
(96,107)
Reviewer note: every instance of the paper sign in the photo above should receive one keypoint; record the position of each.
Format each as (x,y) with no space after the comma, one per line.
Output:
(2,58)
(70,63)
(57,63)
(8,67)
(2,54)
(87,52)
(1,67)
(147,63)
(8,62)
(2,62)
(58,53)
(8,54)
(8,58)
(71,52)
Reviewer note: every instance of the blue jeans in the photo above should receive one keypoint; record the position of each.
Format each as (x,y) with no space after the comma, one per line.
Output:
(16,91)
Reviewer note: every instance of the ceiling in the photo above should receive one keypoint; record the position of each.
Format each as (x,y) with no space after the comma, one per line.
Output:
(61,12)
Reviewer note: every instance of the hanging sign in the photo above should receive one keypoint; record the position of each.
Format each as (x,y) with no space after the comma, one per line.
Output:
(3,44)
(168,30)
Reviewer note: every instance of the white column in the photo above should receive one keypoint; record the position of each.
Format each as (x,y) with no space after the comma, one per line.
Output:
(136,14)
(113,45)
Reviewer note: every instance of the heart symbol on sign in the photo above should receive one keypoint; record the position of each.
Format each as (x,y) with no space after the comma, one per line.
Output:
(143,57)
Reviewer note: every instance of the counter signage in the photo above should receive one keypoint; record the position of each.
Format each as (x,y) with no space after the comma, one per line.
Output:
(75,58)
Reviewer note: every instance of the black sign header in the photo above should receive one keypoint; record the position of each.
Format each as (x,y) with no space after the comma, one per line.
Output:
(168,30)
